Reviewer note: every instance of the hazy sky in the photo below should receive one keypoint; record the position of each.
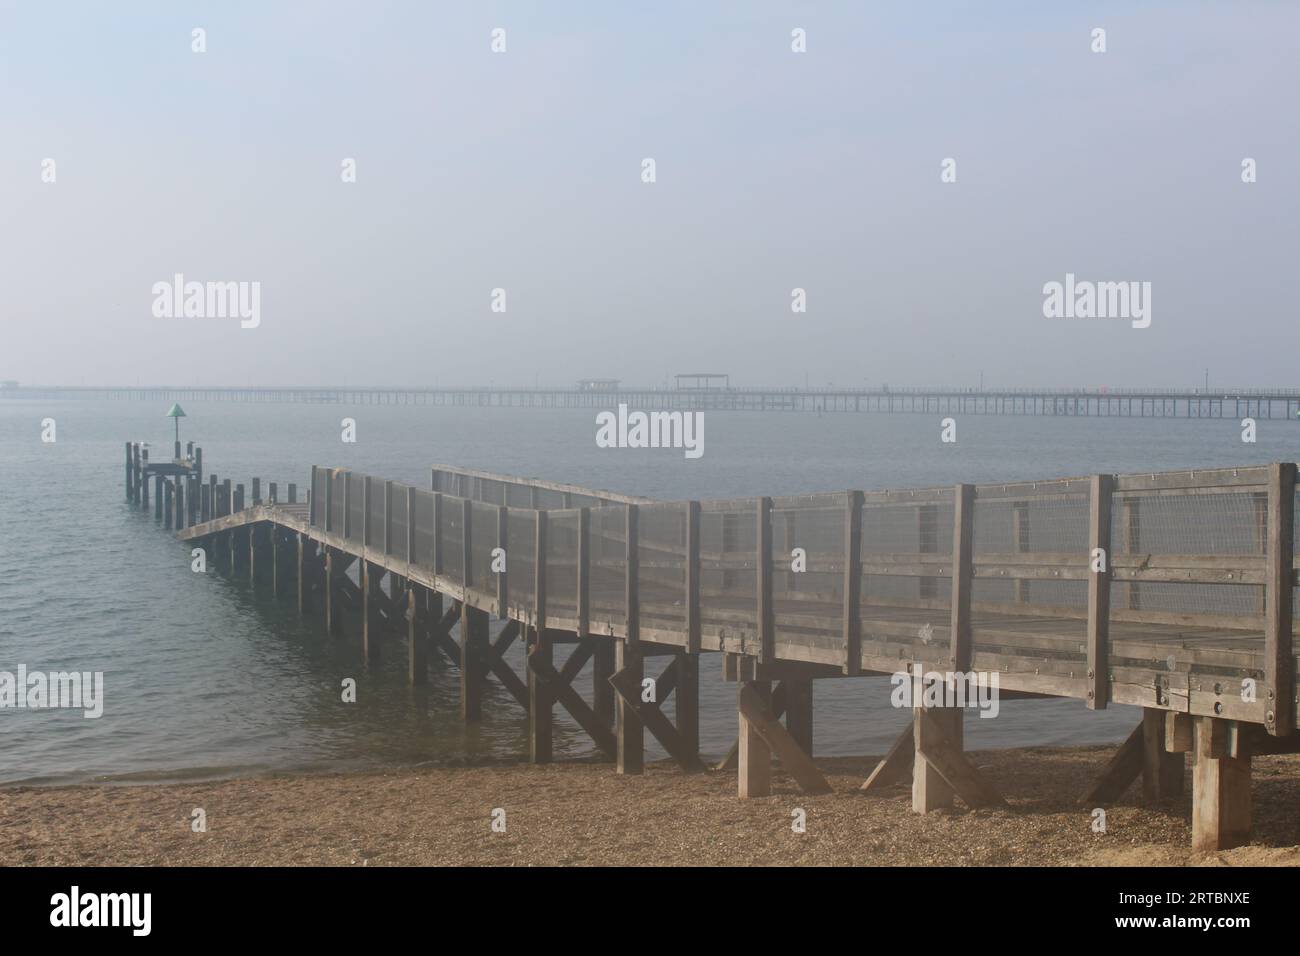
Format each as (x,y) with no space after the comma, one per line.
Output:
(775,170)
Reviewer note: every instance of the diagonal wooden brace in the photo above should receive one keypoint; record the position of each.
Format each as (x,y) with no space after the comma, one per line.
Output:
(628,687)
(896,765)
(936,748)
(765,723)
(568,698)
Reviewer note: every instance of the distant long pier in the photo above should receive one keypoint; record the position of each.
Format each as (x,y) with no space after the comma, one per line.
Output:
(1082,403)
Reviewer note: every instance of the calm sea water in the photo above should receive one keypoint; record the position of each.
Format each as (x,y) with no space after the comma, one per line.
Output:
(204,678)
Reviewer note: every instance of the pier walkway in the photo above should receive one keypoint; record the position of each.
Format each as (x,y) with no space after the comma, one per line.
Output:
(1168,591)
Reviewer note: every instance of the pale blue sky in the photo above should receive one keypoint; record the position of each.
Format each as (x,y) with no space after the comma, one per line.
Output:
(522,171)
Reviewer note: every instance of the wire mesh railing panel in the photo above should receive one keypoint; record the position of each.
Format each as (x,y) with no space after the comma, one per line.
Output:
(1025,531)
(397,529)
(807,556)
(319,495)
(356,506)
(483,540)
(521,550)
(562,564)
(608,560)
(729,565)
(910,536)
(451,545)
(661,571)
(338,480)
(1201,521)
(422,517)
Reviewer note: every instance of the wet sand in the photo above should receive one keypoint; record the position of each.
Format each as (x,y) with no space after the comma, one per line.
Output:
(585,814)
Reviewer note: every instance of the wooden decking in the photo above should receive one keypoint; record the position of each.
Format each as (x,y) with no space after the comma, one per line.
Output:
(1171,592)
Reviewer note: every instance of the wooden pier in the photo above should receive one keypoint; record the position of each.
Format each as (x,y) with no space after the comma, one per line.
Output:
(1171,591)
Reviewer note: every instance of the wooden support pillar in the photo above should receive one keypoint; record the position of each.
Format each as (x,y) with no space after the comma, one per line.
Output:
(473,638)
(167,505)
(130,471)
(686,700)
(305,558)
(205,503)
(1162,771)
(1221,805)
(754,755)
(278,575)
(157,498)
(178,521)
(417,640)
(370,581)
(603,665)
(932,728)
(628,728)
(333,620)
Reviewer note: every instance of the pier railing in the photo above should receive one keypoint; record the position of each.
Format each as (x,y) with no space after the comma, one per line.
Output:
(1101,582)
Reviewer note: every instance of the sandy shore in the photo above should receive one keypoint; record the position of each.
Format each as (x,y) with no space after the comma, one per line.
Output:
(585,814)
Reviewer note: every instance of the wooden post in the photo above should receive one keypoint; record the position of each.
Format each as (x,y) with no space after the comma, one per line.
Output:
(179,520)
(142,476)
(1099,592)
(632,583)
(1221,804)
(932,728)
(628,727)
(388,517)
(347,505)
(293,496)
(329,503)
(1279,662)
(503,577)
(304,583)
(157,497)
(333,623)
(852,583)
(540,701)
(693,583)
(257,491)
(366,530)
(167,504)
(198,464)
(273,494)
(1020,537)
(437,533)
(417,648)
(473,635)
(130,471)
(963,573)
(466,552)
(370,578)
(766,618)
(205,503)
(584,578)
(686,700)
(277,555)
(754,754)
(1162,771)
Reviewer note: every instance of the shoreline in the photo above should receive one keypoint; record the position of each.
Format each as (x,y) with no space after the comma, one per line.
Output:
(583,813)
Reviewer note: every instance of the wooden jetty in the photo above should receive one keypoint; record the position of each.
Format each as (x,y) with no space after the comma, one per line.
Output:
(1169,591)
(1234,403)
